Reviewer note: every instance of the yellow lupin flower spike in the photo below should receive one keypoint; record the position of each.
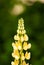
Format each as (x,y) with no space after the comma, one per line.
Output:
(21,44)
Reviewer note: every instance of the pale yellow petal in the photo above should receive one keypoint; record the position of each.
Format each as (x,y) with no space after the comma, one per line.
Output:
(18,44)
(27,55)
(29,45)
(16,62)
(15,54)
(16,37)
(25,37)
(14,46)
(12,63)
(25,46)
(24,63)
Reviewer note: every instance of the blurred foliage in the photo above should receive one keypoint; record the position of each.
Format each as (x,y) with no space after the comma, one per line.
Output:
(34,25)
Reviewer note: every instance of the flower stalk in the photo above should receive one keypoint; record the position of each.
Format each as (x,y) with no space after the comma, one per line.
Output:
(20,45)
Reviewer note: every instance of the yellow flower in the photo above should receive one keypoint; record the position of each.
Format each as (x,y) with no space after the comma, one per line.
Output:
(20,45)
(17,45)
(27,55)
(22,56)
(25,46)
(24,63)
(15,54)
(29,45)
(25,37)
(23,31)
(16,62)
(12,63)
(14,46)
(16,37)
(19,31)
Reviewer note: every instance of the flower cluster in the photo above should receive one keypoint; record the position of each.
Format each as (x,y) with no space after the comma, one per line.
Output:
(20,45)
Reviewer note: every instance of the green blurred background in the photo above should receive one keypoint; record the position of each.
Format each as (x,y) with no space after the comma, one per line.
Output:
(33,14)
